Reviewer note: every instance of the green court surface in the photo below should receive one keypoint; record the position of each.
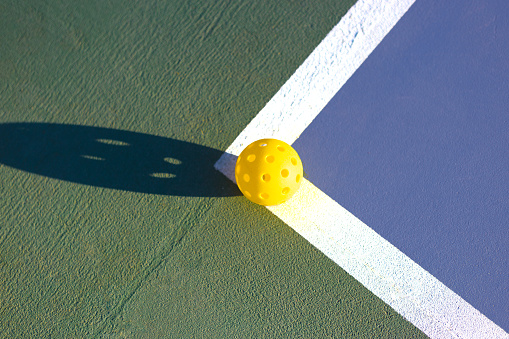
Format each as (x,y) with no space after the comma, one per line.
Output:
(113,222)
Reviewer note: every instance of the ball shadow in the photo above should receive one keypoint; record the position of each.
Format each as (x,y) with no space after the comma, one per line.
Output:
(114,159)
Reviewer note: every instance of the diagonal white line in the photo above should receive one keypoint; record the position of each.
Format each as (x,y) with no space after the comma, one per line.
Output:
(374,262)
(321,75)
(382,268)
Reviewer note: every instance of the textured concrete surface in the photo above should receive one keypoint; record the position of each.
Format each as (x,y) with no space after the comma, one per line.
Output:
(86,256)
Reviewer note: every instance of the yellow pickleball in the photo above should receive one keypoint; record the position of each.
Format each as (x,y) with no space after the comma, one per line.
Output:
(268,172)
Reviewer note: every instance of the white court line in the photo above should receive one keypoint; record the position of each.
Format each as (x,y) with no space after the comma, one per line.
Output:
(379,266)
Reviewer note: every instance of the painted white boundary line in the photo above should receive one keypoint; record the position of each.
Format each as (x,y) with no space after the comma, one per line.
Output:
(374,262)
(321,75)
(382,268)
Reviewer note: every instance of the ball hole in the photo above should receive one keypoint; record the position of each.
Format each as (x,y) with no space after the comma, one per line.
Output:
(297,179)
(285,173)
(237,169)
(281,148)
(263,145)
(251,157)
(294,162)
(270,159)
(266,177)
(286,190)
(246,177)
(264,195)
(173,161)
(247,194)
(163,175)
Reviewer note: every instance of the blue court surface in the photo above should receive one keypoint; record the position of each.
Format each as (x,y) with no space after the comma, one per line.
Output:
(416,145)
